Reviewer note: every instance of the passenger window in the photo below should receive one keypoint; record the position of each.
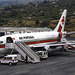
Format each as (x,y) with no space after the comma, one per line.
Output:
(40,53)
(15,57)
(9,57)
(4,58)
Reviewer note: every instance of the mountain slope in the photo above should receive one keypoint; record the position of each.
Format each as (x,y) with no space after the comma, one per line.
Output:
(43,13)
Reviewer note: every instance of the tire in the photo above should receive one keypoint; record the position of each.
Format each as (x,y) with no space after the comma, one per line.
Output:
(10,63)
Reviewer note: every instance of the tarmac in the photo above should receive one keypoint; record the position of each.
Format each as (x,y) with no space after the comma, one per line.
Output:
(58,63)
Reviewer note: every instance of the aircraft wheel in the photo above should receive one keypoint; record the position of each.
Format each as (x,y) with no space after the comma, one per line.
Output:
(10,63)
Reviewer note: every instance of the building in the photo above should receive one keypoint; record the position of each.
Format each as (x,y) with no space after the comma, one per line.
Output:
(16,30)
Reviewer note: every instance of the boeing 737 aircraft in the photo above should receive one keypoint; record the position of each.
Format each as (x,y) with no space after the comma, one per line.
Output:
(37,39)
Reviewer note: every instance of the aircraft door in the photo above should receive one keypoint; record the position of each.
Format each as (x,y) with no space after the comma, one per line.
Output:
(9,40)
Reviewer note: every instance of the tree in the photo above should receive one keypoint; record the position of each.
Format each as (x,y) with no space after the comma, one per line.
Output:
(44,23)
(37,22)
(13,13)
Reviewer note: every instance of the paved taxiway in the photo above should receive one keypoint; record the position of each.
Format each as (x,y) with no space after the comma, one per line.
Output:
(59,63)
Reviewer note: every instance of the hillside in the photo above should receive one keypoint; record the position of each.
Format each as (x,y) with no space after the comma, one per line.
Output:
(42,14)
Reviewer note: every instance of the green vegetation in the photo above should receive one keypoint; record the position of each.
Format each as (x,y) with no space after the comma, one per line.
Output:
(45,14)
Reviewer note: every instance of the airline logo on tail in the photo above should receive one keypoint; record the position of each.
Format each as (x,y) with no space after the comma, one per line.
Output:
(61,23)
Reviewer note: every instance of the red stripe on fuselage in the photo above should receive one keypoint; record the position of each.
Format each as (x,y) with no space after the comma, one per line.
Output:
(2,46)
(37,42)
(34,42)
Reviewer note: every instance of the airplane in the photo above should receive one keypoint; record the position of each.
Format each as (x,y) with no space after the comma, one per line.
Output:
(37,39)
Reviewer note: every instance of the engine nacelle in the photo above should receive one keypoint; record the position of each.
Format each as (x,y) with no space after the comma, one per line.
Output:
(53,48)
(47,47)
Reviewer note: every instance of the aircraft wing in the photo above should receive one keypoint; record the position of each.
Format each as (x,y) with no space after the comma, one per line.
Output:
(39,45)
(48,47)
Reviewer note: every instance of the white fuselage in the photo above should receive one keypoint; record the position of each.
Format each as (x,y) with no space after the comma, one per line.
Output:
(30,39)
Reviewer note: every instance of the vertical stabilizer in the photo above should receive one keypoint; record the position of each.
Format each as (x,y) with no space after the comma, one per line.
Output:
(61,23)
